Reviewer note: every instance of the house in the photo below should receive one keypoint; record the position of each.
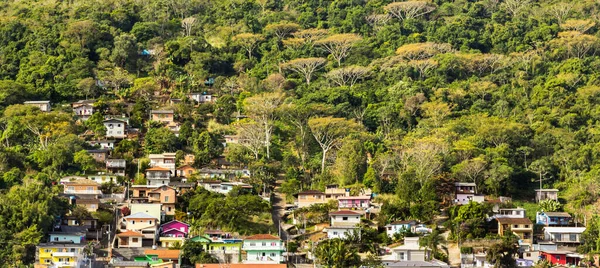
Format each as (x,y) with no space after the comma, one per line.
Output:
(564,236)
(466,192)
(104,144)
(343,223)
(354,202)
(185,171)
(510,213)
(67,237)
(142,223)
(152,209)
(99,155)
(310,197)
(544,194)
(410,251)
(82,186)
(332,191)
(116,166)
(90,204)
(202,97)
(521,227)
(399,227)
(263,248)
(43,105)
(553,218)
(60,254)
(129,239)
(189,159)
(561,257)
(174,229)
(167,255)
(241,265)
(223,187)
(164,160)
(162,116)
(115,128)
(231,139)
(83,109)
(158,176)
(102,178)
(221,245)
(182,187)
(223,174)
(156,194)
(129,264)
(68,221)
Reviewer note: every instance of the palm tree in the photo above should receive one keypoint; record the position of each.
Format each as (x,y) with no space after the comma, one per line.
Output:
(334,253)
(434,241)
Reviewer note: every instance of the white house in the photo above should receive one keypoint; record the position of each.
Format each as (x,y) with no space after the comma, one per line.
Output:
(510,213)
(343,223)
(130,239)
(83,109)
(202,97)
(43,105)
(466,192)
(398,227)
(115,128)
(263,249)
(164,160)
(104,144)
(158,176)
(564,236)
(410,251)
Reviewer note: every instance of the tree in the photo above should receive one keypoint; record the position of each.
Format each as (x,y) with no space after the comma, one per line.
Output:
(580,26)
(206,147)
(84,32)
(503,254)
(561,11)
(251,136)
(434,241)
(187,25)
(420,51)
(335,253)
(85,161)
(88,86)
(423,156)
(159,140)
(471,169)
(311,35)
(262,109)
(348,75)
(248,41)
(542,168)
(329,132)
(549,205)
(339,45)
(515,7)
(125,50)
(409,9)
(193,252)
(305,66)
(282,29)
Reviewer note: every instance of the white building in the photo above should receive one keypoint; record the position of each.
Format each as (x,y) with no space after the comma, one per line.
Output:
(564,236)
(466,192)
(202,97)
(104,144)
(343,223)
(158,176)
(411,255)
(510,213)
(83,109)
(398,227)
(115,128)
(43,105)
(164,160)
(263,249)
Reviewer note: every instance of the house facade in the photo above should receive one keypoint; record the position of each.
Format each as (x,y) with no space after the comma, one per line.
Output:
(43,105)
(83,109)
(521,227)
(410,251)
(152,209)
(81,187)
(553,218)
(310,197)
(343,223)
(564,236)
(158,176)
(221,245)
(263,248)
(561,257)
(466,192)
(104,144)
(142,223)
(545,194)
(201,97)
(99,155)
(185,171)
(174,229)
(354,202)
(398,227)
(164,160)
(115,128)
(129,239)
(67,237)
(116,166)
(510,213)
(60,255)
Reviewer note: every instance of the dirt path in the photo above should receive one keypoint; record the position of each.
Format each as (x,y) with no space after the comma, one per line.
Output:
(278,208)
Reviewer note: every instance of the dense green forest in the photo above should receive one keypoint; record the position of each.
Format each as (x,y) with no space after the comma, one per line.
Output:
(403,97)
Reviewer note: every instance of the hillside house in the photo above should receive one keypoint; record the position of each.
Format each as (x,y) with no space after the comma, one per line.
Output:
(156,194)
(185,171)
(510,213)
(142,223)
(553,218)
(115,128)
(202,97)
(164,160)
(398,227)
(263,249)
(152,209)
(221,245)
(544,194)
(172,233)
(564,236)
(410,251)
(158,176)
(521,227)
(223,174)
(83,109)
(310,197)
(60,255)
(561,257)
(466,192)
(343,223)
(129,239)
(116,166)
(354,202)
(43,105)
(103,144)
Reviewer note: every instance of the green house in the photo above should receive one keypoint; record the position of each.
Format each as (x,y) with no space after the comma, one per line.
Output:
(222,246)
(151,259)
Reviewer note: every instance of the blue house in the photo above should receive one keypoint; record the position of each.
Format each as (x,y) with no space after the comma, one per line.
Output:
(75,237)
(553,218)
(400,227)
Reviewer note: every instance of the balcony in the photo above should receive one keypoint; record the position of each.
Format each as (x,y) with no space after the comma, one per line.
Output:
(64,254)
(227,251)
(83,192)
(65,264)
(261,247)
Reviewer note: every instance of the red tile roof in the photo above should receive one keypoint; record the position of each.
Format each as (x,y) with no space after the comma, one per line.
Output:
(158,169)
(262,237)
(513,220)
(171,254)
(129,234)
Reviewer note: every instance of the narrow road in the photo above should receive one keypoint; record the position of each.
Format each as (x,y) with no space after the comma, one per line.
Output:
(278,208)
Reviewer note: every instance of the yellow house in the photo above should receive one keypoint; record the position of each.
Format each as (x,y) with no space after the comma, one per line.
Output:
(167,242)
(521,227)
(59,255)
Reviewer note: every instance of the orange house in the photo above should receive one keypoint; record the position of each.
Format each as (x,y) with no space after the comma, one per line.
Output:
(82,186)
(185,171)
(163,116)
(161,194)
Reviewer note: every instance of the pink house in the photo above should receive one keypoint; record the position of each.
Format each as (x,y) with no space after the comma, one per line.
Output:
(357,202)
(174,229)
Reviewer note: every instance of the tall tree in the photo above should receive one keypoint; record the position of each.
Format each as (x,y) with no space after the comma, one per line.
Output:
(305,66)
(339,45)
(248,41)
(329,132)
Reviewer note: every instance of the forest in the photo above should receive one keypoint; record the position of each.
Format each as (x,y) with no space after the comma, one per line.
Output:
(405,98)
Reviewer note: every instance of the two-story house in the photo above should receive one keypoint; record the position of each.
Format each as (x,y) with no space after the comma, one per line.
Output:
(172,233)
(410,251)
(564,236)
(153,209)
(129,239)
(544,194)
(521,227)
(466,192)
(115,128)
(164,160)
(222,245)
(343,223)
(166,196)
(60,254)
(142,223)
(398,227)
(83,192)
(166,117)
(510,213)
(223,187)
(43,105)
(185,171)
(202,97)
(263,248)
(553,218)
(116,166)
(354,202)
(310,197)
(158,176)
(83,109)
(67,237)
(333,191)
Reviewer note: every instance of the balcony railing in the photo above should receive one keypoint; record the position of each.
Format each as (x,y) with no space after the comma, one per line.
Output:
(64,254)
(83,192)
(261,247)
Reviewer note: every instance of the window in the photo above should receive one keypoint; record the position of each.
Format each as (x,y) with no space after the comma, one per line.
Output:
(118,125)
(527,254)
(273,244)
(273,254)
(252,244)
(558,258)
(515,226)
(166,199)
(264,244)
(344,218)
(335,233)
(182,229)
(47,250)
(92,206)
(169,209)
(55,238)
(47,260)
(134,240)
(572,237)
(110,126)
(526,225)
(401,255)
(132,222)
(149,222)
(71,188)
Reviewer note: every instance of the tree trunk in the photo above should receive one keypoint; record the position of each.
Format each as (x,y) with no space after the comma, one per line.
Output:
(323,161)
